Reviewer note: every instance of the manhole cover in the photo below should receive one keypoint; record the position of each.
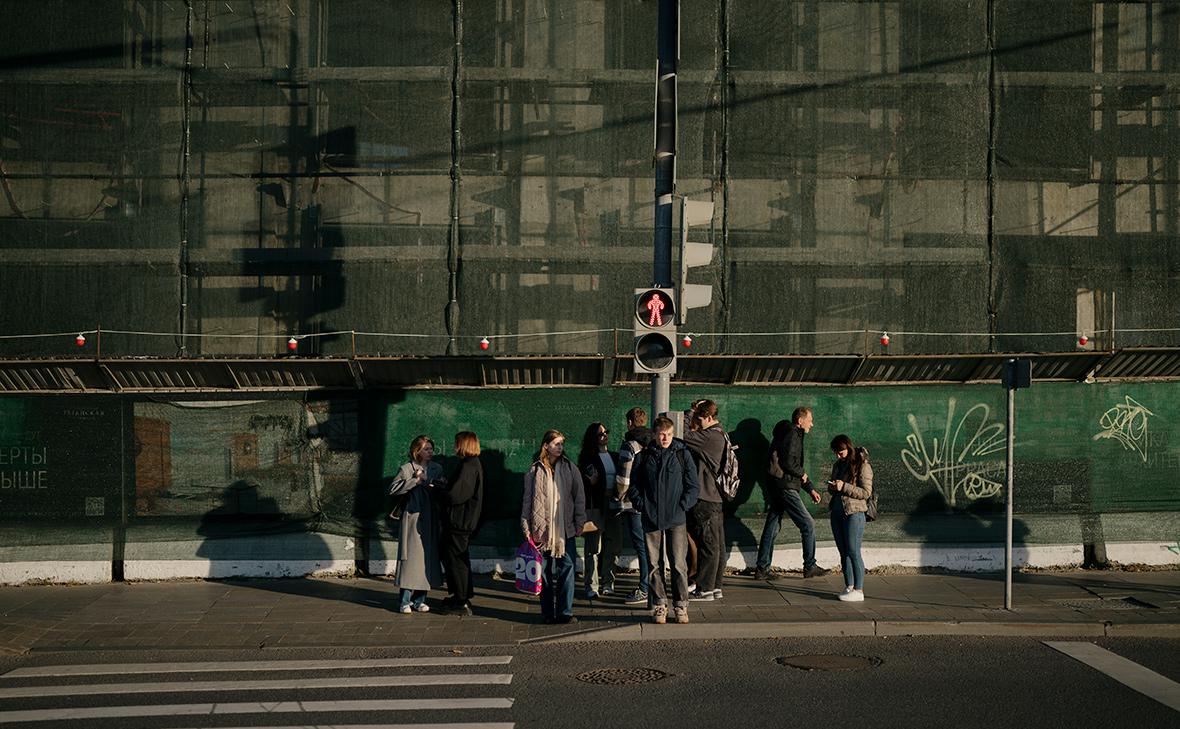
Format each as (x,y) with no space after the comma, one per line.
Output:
(619,676)
(1099,603)
(829,662)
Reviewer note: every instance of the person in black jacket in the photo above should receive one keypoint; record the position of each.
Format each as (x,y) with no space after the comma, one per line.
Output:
(706,521)
(664,479)
(462,501)
(787,480)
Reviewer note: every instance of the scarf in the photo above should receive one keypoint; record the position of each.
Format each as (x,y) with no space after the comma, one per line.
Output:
(544,519)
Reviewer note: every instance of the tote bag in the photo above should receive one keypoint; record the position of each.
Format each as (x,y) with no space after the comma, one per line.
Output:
(528,568)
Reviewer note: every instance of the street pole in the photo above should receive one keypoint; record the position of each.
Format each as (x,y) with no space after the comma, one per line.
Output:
(665,162)
(1008,506)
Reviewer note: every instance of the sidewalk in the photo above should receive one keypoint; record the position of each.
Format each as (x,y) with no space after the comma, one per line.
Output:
(356,612)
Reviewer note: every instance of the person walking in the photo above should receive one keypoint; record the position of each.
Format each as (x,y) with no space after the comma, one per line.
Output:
(851,486)
(787,479)
(637,438)
(552,515)
(597,467)
(462,502)
(418,566)
(665,482)
(706,520)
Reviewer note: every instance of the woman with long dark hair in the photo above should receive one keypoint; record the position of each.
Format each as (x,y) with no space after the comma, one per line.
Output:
(463,501)
(552,514)
(598,472)
(418,567)
(851,486)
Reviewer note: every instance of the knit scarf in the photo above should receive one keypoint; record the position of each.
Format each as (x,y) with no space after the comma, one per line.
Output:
(544,520)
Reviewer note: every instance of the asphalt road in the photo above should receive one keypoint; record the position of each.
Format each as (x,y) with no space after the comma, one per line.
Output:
(913,682)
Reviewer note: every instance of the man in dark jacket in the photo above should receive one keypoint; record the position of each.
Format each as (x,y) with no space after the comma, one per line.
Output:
(787,479)
(706,520)
(665,482)
(637,438)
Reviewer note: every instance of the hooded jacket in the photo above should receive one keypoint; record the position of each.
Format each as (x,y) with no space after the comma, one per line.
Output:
(664,481)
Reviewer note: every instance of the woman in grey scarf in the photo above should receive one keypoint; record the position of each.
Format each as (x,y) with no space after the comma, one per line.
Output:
(552,514)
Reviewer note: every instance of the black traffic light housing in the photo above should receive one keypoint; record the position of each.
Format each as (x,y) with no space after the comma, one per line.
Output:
(655,330)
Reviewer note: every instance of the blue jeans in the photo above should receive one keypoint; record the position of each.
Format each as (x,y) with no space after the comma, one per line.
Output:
(849,530)
(557,582)
(417,597)
(792,505)
(639,544)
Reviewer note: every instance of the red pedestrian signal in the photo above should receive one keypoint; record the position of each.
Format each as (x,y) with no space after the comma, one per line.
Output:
(655,331)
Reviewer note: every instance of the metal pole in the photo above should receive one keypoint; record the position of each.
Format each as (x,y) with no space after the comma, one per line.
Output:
(668,36)
(1008,506)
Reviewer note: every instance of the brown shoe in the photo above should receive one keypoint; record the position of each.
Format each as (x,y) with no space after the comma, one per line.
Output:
(659,614)
(681,615)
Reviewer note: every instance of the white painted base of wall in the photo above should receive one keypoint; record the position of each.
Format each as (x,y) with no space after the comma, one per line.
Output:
(1152,553)
(172,569)
(186,565)
(22,573)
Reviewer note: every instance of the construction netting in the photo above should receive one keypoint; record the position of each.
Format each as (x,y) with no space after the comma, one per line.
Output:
(215,177)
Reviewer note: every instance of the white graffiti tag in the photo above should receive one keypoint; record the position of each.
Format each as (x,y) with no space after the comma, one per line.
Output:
(1126,423)
(958,461)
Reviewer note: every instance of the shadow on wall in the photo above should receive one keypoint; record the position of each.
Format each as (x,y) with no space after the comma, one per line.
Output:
(981,524)
(753,456)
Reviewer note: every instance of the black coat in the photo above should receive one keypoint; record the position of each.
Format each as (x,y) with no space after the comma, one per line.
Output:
(665,484)
(790,458)
(463,499)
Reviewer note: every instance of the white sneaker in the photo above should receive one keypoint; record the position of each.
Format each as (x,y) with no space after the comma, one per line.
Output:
(846,590)
(853,596)
(422,608)
(405,609)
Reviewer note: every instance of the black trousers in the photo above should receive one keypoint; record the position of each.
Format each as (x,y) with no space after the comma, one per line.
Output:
(456,561)
(706,523)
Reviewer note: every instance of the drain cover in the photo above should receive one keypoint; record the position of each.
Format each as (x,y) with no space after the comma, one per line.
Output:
(829,662)
(620,676)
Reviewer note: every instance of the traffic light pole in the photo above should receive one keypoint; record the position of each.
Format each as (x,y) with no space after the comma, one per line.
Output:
(665,161)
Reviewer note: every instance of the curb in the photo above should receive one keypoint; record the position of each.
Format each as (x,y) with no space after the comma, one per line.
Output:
(864,628)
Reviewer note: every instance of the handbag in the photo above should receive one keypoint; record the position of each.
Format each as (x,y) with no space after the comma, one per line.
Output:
(528,568)
(871,507)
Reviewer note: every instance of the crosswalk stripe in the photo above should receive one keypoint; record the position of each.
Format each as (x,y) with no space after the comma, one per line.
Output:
(474,725)
(274,707)
(450,679)
(1127,672)
(276,665)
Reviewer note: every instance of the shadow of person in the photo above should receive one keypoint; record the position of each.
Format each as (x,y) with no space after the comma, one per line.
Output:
(753,455)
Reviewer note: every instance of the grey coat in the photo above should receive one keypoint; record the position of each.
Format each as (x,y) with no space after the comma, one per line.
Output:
(418,566)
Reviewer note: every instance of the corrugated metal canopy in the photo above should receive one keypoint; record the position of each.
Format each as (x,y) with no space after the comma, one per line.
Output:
(301,374)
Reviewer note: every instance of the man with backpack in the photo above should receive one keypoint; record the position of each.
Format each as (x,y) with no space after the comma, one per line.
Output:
(706,520)
(787,480)
(664,480)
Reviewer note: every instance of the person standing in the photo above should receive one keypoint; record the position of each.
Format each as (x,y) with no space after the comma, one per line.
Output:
(851,487)
(552,515)
(418,566)
(637,438)
(462,501)
(706,520)
(665,483)
(787,479)
(597,467)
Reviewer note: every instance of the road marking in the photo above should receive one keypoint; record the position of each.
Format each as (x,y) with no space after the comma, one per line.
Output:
(480,725)
(271,707)
(1127,672)
(453,679)
(279,665)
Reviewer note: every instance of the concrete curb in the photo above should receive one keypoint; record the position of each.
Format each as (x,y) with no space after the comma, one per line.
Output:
(864,628)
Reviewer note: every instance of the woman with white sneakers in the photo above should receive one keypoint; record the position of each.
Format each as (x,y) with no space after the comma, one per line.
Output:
(851,486)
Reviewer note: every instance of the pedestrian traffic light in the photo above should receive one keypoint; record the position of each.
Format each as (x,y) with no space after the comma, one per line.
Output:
(693,296)
(655,331)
